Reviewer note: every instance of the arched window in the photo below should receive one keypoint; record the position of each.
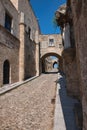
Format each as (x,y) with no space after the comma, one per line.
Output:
(51,42)
(6,72)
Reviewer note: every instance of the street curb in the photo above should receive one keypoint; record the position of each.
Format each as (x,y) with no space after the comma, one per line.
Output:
(56,113)
(4,90)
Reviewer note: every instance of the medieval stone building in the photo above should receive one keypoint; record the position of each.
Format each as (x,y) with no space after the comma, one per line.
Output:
(72,20)
(19,48)
(50,45)
(9,43)
(21,55)
(22,48)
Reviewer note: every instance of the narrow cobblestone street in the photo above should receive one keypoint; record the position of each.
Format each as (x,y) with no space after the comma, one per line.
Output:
(30,106)
(43,65)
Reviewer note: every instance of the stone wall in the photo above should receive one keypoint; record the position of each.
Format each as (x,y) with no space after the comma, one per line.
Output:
(70,60)
(79,9)
(48,64)
(30,58)
(30,19)
(53,49)
(9,43)
(7,6)
(25,51)
(29,33)
(9,50)
(75,68)
(45,46)
(69,52)
(70,70)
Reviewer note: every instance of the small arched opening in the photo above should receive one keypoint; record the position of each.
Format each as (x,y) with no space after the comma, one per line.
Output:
(55,65)
(6,72)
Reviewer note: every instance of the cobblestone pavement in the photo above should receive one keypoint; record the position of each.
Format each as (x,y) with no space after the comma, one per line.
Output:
(30,106)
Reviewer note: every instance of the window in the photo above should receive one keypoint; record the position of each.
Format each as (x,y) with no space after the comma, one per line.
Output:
(8,21)
(51,42)
(60,46)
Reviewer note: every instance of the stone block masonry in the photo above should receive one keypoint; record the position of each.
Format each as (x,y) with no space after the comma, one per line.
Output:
(9,50)
(18,41)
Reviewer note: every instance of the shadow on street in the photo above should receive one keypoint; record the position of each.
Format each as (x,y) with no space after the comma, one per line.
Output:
(67,104)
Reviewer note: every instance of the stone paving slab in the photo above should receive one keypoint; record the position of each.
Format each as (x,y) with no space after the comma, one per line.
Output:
(29,106)
(59,123)
(64,115)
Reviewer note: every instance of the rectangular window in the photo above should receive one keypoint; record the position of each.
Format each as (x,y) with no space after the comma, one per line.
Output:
(60,46)
(8,21)
(51,42)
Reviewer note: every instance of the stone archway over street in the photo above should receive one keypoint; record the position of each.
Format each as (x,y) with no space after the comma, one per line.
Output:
(50,45)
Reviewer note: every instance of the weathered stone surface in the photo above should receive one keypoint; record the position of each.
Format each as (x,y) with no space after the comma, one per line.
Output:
(29,107)
(76,71)
(7,6)
(69,53)
(53,49)
(30,19)
(9,50)
(9,42)
(80,28)
(45,46)
(49,64)
(19,46)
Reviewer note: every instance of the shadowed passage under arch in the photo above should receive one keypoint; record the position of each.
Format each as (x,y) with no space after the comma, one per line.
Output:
(48,55)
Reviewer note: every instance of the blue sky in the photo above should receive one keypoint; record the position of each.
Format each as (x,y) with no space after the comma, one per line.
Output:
(45,10)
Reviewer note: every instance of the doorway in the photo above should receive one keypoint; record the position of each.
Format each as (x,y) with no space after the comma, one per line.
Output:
(6,72)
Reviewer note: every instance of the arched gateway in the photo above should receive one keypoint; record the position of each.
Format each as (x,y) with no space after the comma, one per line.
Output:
(51,45)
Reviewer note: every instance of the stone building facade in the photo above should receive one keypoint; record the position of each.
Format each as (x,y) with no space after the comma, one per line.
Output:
(19,41)
(75,56)
(50,45)
(29,31)
(69,52)
(9,44)
(79,11)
